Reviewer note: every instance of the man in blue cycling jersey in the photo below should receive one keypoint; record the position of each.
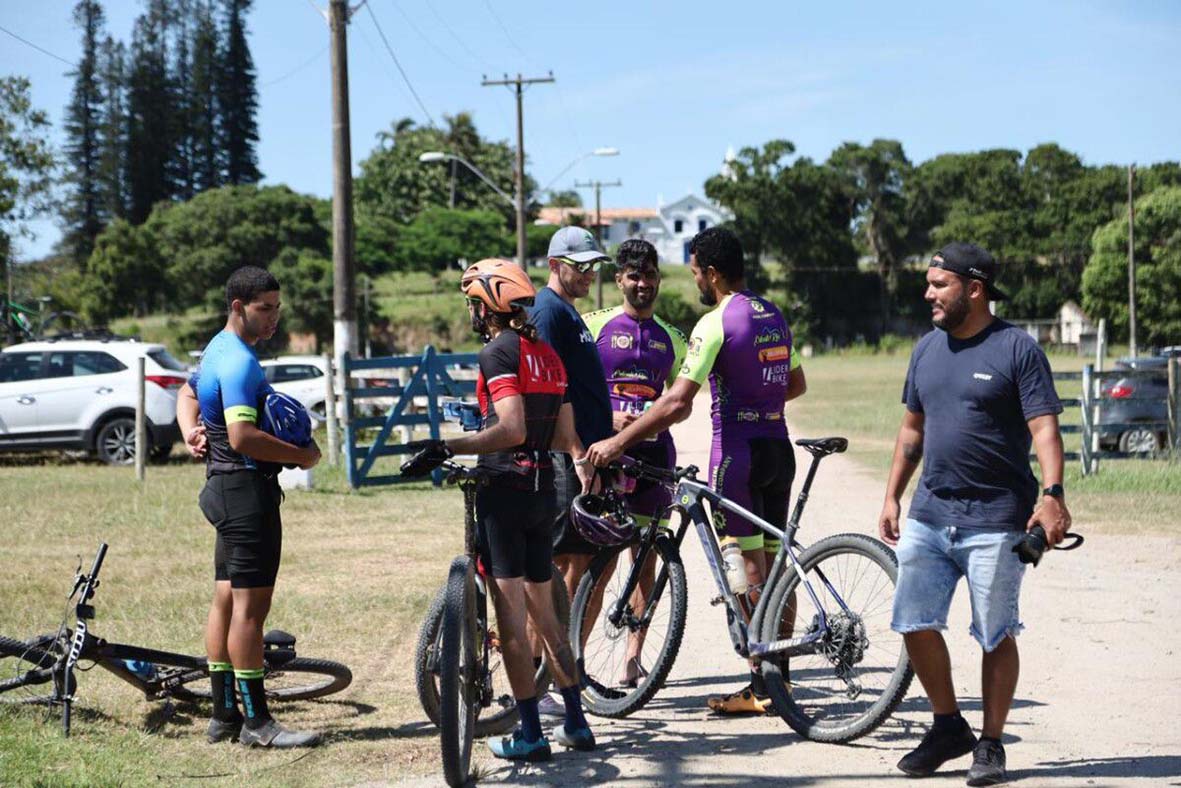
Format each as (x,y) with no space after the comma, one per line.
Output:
(744,347)
(641,354)
(217,411)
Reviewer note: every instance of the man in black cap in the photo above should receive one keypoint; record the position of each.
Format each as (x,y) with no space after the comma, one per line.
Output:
(978,392)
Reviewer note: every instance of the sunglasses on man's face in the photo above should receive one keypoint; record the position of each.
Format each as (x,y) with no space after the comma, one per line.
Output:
(585,267)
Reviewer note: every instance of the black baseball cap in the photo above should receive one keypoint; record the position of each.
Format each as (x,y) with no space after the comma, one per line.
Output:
(971,261)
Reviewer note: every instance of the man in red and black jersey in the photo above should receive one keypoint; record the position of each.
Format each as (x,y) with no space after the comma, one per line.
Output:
(522,390)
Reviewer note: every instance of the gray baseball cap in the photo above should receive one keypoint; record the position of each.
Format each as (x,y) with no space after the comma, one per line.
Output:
(577,244)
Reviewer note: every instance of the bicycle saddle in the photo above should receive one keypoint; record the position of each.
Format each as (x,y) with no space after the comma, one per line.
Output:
(822,446)
(277,638)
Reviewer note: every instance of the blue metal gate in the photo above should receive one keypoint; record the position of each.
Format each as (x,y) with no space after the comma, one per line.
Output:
(430,378)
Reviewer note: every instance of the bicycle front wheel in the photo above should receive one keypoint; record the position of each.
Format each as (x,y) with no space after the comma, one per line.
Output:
(860,671)
(625,661)
(16,686)
(459,671)
(501,716)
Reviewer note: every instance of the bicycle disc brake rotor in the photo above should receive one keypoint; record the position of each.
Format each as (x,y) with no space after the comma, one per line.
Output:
(845,646)
(611,631)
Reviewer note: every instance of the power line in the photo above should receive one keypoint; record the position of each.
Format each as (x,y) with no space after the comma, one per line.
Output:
(401,70)
(297,69)
(438,49)
(468,50)
(504,30)
(39,49)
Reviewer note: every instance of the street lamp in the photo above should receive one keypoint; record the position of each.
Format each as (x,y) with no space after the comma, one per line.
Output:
(436,155)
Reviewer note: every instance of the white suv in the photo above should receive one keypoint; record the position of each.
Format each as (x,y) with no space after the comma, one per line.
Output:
(81,394)
(301,377)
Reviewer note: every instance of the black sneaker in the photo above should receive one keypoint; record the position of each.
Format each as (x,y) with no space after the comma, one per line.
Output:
(936,748)
(988,763)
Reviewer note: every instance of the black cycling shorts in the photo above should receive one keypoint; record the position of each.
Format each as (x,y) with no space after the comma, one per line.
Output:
(514,532)
(567,485)
(244,508)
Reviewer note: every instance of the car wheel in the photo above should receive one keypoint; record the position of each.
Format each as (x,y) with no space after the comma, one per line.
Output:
(1140,441)
(319,414)
(115,442)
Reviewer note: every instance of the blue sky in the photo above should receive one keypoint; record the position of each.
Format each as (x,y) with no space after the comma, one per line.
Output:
(672,85)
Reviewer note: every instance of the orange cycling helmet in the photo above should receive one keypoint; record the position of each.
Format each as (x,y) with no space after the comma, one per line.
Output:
(502,285)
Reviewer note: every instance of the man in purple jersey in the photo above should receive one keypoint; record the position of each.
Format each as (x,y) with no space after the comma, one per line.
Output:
(744,348)
(641,354)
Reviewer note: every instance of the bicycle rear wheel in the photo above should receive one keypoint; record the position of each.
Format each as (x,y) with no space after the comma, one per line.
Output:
(604,649)
(459,671)
(861,671)
(501,716)
(303,678)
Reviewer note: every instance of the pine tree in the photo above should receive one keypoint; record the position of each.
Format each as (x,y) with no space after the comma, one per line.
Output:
(238,99)
(85,208)
(112,171)
(208,164)
(180,83)
(151,145)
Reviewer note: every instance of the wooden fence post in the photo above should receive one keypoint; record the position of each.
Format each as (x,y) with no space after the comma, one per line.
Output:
(330,413)
(1175,408)
(141,422)
(1084,453)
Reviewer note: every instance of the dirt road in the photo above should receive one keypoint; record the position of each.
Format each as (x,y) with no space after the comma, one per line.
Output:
(1097,704)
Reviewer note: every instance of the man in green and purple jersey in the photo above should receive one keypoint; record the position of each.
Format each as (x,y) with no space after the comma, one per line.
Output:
(744,348)
(641,354)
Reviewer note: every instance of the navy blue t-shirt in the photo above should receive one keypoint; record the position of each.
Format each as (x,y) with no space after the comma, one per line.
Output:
(560,325)
(976,396)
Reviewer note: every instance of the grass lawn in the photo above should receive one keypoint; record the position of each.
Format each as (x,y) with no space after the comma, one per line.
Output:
(859,397)
(358,571)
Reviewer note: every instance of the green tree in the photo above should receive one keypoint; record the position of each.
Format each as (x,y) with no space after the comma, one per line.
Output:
(569,198)
(207,153)
(305,279)
(125,274)
(182,165)
(1158,270)
(151,143)
(439,237)
(875,179)
(27,167)
(238,99)
(393,183)
(84,207)
(112,166)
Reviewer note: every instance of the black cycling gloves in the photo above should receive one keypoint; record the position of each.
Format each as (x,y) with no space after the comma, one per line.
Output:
(428,455)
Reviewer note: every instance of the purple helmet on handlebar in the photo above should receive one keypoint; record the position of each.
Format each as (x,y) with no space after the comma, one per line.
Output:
(603,518)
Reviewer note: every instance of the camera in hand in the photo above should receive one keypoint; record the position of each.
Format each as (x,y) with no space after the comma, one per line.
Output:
(1034,544)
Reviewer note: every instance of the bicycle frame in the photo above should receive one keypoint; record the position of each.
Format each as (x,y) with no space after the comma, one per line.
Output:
(689,496)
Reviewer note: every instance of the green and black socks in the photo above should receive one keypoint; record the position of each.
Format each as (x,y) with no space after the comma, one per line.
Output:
(225,703)
(254,699)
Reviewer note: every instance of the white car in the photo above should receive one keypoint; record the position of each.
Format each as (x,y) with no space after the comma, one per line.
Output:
(301,377)
(81,394)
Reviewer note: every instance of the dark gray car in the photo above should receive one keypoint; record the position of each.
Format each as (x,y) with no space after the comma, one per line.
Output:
(1139,397)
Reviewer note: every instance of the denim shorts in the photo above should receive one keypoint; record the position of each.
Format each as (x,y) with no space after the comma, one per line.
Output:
(931,561)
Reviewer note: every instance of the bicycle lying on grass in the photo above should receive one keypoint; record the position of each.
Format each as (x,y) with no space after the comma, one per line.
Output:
(458,663)
(832,666)
(160,675)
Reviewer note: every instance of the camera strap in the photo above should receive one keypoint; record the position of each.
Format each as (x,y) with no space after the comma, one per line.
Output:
(1074,545)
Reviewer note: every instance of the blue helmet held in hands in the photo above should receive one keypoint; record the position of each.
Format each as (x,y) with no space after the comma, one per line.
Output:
(286,418)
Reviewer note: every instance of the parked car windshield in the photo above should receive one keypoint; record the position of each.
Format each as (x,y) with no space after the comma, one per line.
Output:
(167,360)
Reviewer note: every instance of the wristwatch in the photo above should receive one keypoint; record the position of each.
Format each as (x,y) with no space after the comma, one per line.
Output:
(1055,491)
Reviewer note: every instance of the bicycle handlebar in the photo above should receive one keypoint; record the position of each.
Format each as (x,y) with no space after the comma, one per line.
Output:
(638,469)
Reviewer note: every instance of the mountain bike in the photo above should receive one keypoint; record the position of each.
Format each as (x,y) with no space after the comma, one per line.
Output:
(53,660)
(459,669)
(833,668)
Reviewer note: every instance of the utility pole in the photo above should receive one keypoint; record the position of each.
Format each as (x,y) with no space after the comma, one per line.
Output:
(1131,265)
(598,186)
(344,307)
(518,84)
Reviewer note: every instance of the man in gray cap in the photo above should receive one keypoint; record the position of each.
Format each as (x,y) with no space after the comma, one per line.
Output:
(574,259)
